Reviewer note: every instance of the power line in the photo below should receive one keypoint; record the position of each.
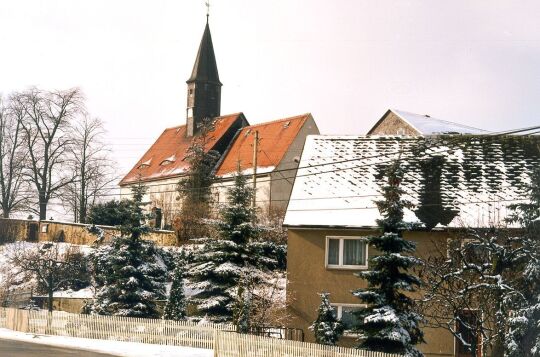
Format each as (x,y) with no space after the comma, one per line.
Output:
(395,153)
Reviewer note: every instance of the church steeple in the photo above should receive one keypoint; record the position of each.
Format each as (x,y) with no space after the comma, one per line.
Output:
(204,87)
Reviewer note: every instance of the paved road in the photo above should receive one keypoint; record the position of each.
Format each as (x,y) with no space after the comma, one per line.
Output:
(9,348)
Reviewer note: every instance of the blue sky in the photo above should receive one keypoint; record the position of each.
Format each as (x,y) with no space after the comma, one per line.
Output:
(345,61)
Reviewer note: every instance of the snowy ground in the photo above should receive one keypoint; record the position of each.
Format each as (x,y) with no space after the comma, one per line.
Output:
(126,349)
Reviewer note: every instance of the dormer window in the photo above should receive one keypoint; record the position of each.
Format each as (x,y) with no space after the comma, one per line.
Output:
(145,164)
(168,160)
(286,125)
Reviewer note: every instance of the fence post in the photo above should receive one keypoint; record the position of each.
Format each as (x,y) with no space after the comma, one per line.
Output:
(216,344)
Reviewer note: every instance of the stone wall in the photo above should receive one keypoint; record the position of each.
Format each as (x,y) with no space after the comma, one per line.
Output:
(11,230)
(16,229)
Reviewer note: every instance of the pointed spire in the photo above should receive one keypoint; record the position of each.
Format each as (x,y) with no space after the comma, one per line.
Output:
(205,67)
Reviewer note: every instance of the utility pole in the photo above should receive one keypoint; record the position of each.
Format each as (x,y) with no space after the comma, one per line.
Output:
(255,149)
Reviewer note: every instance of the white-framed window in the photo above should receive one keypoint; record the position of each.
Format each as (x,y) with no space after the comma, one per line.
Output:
(345,313)
(344,252)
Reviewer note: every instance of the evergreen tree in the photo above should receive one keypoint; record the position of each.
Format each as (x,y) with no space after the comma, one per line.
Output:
(523,337)
(327,328)
(389,323)
(175,309)
(130,274)
(219,265)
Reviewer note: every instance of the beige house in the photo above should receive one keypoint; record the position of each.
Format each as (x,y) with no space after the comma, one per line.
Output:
(331,209)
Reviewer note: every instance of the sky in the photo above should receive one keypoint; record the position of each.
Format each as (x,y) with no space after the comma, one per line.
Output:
(344,61)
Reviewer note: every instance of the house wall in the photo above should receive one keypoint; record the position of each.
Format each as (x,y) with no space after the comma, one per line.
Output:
(160,193)
(263,190)
(308,276)
(393,125)
(282,182)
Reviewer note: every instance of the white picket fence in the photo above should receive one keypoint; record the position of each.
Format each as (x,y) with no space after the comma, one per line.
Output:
(230,344)
(3,317)
(130,329)
(218,337)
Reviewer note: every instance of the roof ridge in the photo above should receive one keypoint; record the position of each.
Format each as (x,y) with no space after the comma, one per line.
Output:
(429,117)
(219,117)
(278,120)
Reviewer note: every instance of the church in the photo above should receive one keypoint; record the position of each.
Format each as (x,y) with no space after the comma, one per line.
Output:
(269,151)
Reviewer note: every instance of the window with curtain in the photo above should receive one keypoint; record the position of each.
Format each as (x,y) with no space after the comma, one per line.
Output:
(346,252)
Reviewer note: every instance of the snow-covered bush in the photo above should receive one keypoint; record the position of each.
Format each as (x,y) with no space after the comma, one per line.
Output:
(327,328)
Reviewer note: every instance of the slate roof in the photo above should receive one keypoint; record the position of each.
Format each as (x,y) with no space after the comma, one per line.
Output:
(428,125)
(165,158)
(454,181)
(275,138)
(205,67)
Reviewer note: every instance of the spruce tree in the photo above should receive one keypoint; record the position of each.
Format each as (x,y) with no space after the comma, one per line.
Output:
(389,323)
(175,309)
(327,328)
(219,265)
(130,275)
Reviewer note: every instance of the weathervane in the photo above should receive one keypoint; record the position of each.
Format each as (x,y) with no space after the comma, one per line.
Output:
(207,3)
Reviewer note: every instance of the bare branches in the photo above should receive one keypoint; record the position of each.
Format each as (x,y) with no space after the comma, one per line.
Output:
(90,164)
(14,193)
(47,263)
(46,118)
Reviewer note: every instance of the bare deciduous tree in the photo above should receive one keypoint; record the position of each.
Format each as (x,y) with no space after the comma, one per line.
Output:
(14,193)
(469,281)
(91,165)
(49,263)
(47,125)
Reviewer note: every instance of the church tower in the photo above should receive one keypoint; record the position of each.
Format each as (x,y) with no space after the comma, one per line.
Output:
(203,87)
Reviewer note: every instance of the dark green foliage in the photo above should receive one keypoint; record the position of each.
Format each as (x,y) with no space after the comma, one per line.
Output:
(129,278)
(327,328)
(112,213)
(129,272)
(175,309)
(219,266)
(237,216)
(389,323)
(73,275)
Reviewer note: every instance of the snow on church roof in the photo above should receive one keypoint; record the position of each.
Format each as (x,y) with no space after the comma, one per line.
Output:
(464,181)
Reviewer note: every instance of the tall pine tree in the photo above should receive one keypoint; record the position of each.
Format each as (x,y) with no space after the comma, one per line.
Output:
(218,267)
(389,323)
(327,328)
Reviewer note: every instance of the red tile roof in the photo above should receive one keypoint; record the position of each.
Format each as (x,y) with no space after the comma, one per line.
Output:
(165,158)
(275,138)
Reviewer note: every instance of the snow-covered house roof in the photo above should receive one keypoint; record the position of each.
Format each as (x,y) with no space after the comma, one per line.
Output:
(426,124)
(455,181)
